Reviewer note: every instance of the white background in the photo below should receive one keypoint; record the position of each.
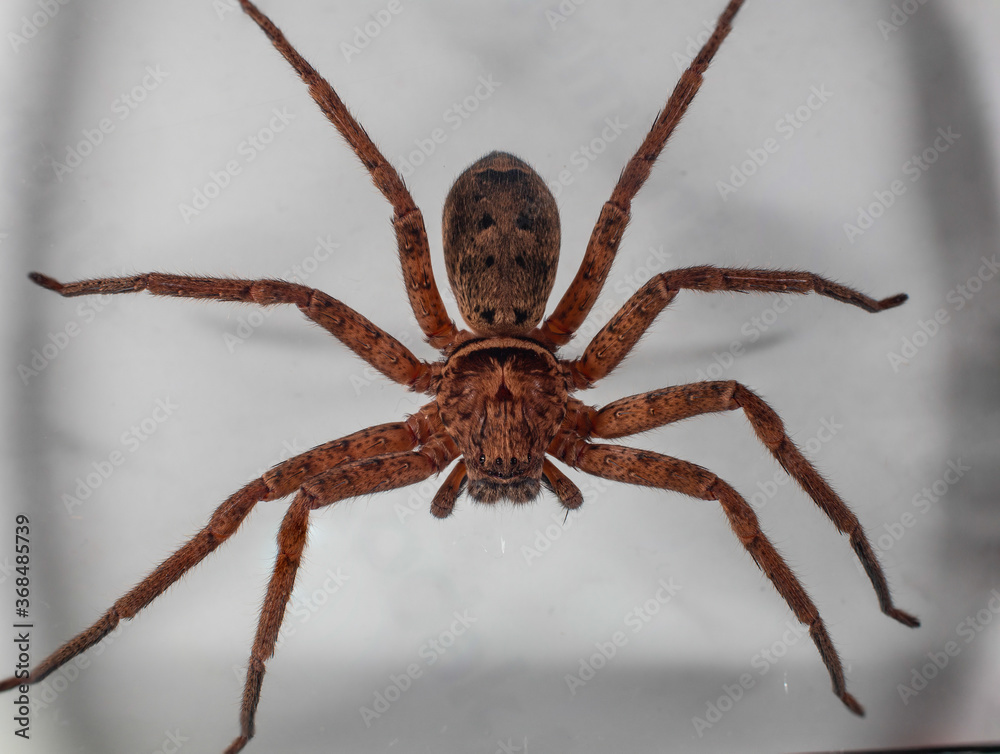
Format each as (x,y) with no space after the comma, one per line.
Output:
(175,672)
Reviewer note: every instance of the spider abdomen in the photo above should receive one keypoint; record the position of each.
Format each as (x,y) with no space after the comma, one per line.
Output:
(501,244)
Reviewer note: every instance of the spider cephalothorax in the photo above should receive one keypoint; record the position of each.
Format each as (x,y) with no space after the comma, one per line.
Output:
(502,400)
(501,244)
(501,405)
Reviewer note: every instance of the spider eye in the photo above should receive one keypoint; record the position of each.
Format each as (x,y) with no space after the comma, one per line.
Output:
(513,462)
(482,460)
(528,459)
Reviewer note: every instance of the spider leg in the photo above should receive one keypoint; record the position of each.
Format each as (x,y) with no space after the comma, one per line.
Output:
(385,472)
(622,332)
(355,331)
(639,413)
(279,482)
(632,466)
(578,300)
(408,222)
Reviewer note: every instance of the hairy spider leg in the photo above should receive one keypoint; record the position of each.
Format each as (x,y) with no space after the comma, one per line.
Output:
(411,235)
(362,477)
(614,341)
(355,331)
(639,413)
(277,483)
(641,467)
(602,247)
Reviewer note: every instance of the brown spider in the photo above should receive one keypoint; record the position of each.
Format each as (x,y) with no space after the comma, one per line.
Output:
(502,400)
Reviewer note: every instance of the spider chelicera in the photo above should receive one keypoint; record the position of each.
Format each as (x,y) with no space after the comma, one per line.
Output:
(502,405)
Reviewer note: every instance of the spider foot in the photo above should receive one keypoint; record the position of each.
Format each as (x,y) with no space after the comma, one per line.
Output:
(903,617)
(237,745)
(892,301)
(852,704)
(46,282)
